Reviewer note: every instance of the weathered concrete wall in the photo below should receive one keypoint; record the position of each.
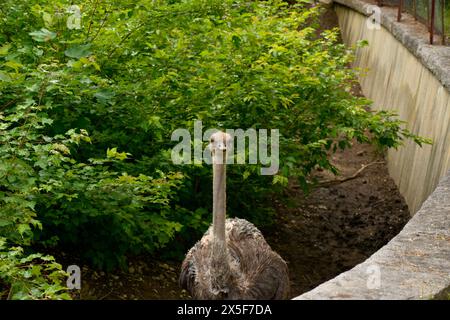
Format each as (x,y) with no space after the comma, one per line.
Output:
(406,75)
(413,265)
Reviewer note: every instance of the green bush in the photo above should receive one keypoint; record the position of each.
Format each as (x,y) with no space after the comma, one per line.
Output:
(85,205)
(132,73)
(33,276)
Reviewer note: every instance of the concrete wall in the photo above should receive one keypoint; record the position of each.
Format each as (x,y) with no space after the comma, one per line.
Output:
(406,75)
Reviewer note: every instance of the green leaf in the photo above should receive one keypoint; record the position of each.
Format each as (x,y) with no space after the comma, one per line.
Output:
(4,49)
(48,20)
(236,41)
(362,43)
(282,180)
(38,52)
(4,77)
(104,95)
(113,154)
(78,51)
(4,222)
(43,35)
(22,228)
(13,65)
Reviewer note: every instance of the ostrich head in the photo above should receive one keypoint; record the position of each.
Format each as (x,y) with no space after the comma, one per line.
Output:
(220,144)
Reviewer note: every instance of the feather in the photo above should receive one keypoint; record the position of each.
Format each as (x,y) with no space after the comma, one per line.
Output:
(257,272)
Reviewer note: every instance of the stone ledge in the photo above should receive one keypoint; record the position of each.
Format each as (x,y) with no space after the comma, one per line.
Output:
(413,35)
(413,265)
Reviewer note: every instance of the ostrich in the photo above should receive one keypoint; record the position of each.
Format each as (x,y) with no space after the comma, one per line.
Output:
(232,260)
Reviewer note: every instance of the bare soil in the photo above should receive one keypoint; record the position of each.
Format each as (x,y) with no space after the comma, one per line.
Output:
(338,226)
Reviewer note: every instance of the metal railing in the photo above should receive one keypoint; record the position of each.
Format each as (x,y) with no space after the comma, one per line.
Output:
(435,14)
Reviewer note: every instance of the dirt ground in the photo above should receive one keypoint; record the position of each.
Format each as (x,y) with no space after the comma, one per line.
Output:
(335,227)
(338,226)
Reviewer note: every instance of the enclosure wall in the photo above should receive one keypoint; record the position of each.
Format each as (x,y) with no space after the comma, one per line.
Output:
(397,80)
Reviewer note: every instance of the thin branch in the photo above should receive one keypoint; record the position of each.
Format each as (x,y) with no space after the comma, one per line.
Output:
(9,293)
(6,105)
(325,183)
(125,38)
(91,18)
(353,176)
(101,26)
(106,295)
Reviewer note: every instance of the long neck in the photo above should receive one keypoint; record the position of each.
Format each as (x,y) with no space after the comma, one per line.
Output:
(220,268)
(219,201)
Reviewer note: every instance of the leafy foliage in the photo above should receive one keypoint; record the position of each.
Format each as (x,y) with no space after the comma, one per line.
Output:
(33,276)
(131,73)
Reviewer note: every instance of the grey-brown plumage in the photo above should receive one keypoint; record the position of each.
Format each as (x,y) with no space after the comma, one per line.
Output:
(232,260)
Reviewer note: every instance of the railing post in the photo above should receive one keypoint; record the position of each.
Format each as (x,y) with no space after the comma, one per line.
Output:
(433,5)
(442,6)
(415,9)
(400,7)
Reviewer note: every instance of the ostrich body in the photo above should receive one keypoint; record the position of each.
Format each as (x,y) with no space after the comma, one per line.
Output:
(232,260)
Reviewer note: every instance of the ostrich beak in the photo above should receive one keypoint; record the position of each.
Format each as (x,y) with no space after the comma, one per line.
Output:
(213,148)
(221,146)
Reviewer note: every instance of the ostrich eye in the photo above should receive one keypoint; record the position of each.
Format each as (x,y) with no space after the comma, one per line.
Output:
(212,139)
